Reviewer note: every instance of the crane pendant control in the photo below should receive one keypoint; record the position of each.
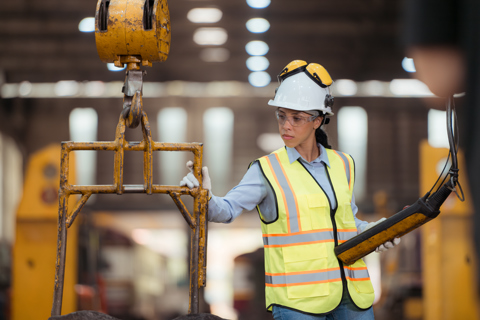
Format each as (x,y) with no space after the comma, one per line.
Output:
(411,217)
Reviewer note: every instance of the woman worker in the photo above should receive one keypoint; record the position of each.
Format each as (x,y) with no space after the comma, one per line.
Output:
(304,196)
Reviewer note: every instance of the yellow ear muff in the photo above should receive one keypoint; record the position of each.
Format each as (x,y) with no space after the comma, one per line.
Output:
(292,68)
(319,74)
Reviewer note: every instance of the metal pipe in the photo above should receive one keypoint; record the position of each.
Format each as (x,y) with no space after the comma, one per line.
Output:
(78,208)
(132,146)
(147,154)
(202,243)
(61,253)
(134,188)
(181,206)
(194,288)
(130,188)
(119,156)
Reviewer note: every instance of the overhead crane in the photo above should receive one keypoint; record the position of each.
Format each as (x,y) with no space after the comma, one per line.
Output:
(131,34)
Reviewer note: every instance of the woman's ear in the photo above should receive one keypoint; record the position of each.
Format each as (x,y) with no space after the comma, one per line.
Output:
(318,122)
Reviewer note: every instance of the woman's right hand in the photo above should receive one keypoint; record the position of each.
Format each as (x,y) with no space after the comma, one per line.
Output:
(190,181)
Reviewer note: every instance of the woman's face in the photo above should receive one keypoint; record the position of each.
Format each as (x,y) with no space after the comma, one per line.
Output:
(294,136)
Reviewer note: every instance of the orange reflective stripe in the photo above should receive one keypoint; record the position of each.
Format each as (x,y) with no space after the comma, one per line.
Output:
(300,272)
(357,268)
(300,232)
(356,274)
(359,279)
(293,193)
(346,167)
(350,183)
(302,283)
(341,159)
(281,190)
(296,244)
(347,230)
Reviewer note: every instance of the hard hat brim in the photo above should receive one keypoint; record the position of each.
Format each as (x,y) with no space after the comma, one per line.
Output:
(294,106)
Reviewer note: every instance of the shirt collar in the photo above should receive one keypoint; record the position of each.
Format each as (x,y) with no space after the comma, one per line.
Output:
(293,155)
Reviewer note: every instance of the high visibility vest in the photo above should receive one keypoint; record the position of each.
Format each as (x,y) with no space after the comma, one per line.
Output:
(301,269)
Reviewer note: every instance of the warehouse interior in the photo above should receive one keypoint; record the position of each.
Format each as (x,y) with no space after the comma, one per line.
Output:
(128,255)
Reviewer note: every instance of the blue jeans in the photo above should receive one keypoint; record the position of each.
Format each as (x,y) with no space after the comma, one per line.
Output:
(345,311)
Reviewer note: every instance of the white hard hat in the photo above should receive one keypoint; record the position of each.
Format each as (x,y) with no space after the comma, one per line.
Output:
(302,91)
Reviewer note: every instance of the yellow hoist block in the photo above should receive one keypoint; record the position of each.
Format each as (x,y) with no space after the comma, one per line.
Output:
(138,28)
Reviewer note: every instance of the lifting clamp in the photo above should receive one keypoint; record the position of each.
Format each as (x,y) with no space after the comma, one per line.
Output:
(134,32)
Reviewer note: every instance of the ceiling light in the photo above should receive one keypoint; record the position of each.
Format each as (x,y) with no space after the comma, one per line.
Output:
(66,88)
(270,142)
(409,87)
(112,67)
(437,131)
(214,54)
(210,36)
(346,87)
(259,79)
(257,48)
(258,63)
(257,25)
(374,88)
(258,4)
(87,25)
(94,88)
(408,65)
(25,88)
(204,15)
(9,90)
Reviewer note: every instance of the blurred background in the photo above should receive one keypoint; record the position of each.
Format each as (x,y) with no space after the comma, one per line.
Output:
(128,255)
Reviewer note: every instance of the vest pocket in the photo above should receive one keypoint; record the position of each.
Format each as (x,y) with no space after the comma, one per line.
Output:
(363,286)
(318,210)
(307,291)
(305,268)
(348,219)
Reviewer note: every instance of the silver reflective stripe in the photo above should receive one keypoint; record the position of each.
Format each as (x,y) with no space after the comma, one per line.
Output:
(303,278)
(347,165)
(268,279)
(282,180)
(297,238)
(346,235)
(356,274)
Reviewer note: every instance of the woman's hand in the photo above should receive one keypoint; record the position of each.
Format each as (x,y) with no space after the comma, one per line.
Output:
(387,245)
(190,181)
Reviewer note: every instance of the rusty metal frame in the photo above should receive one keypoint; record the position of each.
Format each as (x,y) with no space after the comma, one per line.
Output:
(197,222)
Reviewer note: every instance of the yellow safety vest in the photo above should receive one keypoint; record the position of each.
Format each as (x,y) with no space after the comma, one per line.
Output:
(301,269)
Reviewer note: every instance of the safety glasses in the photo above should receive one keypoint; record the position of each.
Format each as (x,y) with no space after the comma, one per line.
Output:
(295,120)
(315,71)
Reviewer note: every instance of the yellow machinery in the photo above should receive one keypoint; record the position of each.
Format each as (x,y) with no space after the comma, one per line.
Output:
(449,264)
(133,32)
(36,227)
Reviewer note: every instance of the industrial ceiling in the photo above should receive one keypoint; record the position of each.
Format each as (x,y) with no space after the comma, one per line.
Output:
(40,40)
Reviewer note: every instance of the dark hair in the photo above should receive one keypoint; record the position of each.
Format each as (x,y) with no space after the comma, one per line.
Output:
(322,138)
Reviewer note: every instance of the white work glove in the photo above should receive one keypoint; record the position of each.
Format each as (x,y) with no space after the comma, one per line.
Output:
(190,181)
(387,245)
